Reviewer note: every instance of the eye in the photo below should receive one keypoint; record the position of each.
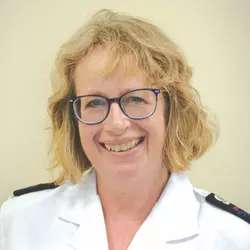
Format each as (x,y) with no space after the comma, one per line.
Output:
(95,103)
(135,99)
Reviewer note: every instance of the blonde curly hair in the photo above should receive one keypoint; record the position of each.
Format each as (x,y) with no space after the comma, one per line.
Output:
(190,129)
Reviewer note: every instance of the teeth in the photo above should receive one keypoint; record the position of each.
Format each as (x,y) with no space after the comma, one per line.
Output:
(133,143)
(130,144)
(123,147)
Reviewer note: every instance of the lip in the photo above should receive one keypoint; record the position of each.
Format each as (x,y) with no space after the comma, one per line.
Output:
(128,153)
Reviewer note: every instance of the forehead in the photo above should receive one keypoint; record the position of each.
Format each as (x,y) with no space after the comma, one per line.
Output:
(101,71)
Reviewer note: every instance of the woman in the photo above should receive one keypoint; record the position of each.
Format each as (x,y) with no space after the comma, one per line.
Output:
(126,126)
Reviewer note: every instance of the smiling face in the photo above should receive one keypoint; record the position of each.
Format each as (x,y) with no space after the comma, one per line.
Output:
(139,142)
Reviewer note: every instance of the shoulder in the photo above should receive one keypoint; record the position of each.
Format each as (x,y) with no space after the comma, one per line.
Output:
(34,195)
(36,217)
(228,221)
(48,196)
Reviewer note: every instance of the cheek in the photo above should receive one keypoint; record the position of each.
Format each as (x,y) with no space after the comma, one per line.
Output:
(87,134)
(155,128)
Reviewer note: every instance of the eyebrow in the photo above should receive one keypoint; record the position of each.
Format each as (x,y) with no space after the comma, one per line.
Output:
(101,92)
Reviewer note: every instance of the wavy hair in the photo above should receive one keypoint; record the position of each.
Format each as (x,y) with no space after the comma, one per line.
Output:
(190,129)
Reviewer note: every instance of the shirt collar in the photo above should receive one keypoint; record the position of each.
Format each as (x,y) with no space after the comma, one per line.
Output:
(79,197)
(176,212)
(174,216)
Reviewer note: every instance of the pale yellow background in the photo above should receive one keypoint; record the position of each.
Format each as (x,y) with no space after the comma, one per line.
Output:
(215,36)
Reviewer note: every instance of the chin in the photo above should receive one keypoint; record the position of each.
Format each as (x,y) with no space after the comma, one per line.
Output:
(128,171)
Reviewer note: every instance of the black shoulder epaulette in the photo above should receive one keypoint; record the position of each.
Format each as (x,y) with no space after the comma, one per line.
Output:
(35,188)
(227,206)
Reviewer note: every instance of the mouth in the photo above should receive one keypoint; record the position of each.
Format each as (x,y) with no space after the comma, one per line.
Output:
(125,146)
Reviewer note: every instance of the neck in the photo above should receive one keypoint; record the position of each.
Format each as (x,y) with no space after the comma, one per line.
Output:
(132,200)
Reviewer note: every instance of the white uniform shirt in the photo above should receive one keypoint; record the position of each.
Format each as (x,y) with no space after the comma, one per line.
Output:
(70,217)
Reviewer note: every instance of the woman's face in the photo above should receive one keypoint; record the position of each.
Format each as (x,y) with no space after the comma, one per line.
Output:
(117,128)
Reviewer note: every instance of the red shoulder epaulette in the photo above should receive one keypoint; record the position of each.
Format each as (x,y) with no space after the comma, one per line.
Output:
(227,206)
(39,187)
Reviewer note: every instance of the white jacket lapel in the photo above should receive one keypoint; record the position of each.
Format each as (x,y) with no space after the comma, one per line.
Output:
(174,219)
(85,211)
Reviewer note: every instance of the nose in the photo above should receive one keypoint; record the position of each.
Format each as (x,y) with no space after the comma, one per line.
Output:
(116,122)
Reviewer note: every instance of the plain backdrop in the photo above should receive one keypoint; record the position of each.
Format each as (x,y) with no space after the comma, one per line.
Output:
(214,35)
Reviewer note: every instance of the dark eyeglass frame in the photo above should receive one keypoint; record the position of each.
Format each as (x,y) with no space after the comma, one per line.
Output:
(115,100)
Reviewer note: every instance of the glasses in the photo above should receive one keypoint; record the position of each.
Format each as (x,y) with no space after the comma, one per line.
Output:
(137,104)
